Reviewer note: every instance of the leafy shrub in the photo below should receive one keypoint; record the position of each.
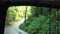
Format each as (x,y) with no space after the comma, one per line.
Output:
(37,24)
(44,23)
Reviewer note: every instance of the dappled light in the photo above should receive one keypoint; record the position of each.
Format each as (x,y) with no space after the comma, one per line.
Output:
(32,20)
(15,13)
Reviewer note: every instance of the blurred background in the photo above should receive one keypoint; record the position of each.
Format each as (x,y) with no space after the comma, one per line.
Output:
(37,20)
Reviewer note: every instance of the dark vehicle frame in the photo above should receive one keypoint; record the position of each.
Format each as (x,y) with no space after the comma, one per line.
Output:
(4,4)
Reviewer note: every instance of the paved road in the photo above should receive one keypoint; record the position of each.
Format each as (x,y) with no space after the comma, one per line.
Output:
(13,29)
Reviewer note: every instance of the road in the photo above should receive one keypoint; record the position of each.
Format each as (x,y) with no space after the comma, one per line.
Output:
(14,28)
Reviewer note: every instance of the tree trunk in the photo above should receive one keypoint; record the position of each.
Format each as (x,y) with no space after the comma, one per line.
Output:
(25,13)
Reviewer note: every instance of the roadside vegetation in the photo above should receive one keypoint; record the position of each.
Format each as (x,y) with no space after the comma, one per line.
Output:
(41,20)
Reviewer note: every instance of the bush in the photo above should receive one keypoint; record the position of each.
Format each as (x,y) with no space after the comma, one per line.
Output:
(47,22)
(39,23)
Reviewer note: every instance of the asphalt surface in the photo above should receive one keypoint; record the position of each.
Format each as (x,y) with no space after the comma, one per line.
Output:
(14,28)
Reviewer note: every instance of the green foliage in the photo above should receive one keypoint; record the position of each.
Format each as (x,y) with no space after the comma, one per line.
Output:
(15,13)
(46,22)
(11,13)
(41,20)
(39,23)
